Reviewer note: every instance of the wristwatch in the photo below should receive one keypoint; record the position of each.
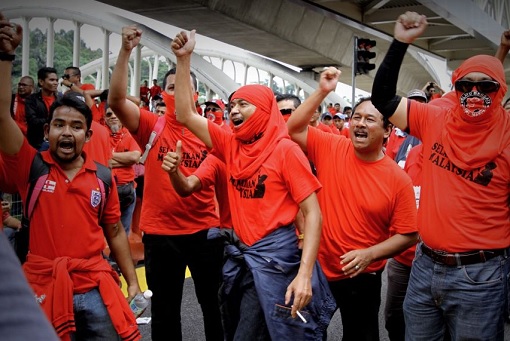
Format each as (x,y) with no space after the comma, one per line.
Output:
(7,56)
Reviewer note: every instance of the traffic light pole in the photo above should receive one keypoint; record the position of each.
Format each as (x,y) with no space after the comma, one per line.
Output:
(354,63)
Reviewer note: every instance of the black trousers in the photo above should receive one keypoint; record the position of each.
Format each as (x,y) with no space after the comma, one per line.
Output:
(166,258)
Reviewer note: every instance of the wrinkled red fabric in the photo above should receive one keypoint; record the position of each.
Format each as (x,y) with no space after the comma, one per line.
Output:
(473,142)
(258,136)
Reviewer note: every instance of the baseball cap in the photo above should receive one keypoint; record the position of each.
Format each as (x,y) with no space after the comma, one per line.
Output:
(326,115)
(417,94)
(217,102)
(340,116)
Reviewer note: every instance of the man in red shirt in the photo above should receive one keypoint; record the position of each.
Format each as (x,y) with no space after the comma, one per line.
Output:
(72,79)
(25,89)
(125,154)
(75,286)
(175,229)
(144,94)
(464,223)
(153,92)
(372,197)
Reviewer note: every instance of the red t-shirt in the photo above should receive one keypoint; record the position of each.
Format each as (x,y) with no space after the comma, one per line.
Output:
(6,185)
(164,212)
(370,198)
(98,148)
(270,198)
(144,94)
(212,172)
(19,113)
(48,101)
(459,210)
(394,143)
(87,86)
(154,90)
(345,132)
(323,127)
(123,142)
(65,218)
(334,129)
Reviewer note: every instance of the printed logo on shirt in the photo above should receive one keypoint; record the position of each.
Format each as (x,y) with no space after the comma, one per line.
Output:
(253,188)
(481,176)
(95,198)
(189,160)
(49,186)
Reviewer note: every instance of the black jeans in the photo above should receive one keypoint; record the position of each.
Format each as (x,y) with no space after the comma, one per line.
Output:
(359,299)
(166,258)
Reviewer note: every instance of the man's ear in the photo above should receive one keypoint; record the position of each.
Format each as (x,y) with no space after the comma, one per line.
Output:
(46,131)
(88,135)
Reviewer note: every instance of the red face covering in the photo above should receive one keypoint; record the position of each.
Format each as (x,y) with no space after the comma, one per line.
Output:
(258,136)
(216,117)
(170,106)
(477,129)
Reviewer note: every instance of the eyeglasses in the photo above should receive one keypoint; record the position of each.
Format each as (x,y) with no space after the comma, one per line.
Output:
(286,111)
(486,86)
(67,76)
(108,114)
(23,84)
(212,109)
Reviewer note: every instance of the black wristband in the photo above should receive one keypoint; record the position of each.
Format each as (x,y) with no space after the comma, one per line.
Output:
(7,57)
(384,88)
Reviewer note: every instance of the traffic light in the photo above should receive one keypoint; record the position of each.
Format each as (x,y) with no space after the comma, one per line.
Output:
(362,56)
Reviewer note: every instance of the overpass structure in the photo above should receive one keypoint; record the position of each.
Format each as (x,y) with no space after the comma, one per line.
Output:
(306,35)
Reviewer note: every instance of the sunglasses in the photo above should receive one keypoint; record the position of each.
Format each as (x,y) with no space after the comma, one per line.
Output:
(286,111)
(108,114)
(482,86)
(212,109)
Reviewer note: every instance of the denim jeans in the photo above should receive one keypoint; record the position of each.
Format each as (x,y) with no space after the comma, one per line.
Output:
(166,258)
(127,216)
(359,299)
(398,278)
(92,319)
(469,301)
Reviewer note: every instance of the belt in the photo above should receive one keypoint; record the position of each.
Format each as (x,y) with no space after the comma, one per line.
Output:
(462,258)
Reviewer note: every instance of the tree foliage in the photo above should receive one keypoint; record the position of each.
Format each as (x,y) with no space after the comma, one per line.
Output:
(63,53)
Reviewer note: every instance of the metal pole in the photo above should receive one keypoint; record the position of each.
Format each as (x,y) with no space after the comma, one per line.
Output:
(354,60)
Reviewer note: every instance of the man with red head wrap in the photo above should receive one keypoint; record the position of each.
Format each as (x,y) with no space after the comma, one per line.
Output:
(459,275)
(267,282)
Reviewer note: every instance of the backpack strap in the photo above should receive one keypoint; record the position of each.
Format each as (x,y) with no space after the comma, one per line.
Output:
(39,171)
(156,131)
(104,180)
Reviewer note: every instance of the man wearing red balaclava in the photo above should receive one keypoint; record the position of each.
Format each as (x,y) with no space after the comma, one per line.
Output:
(462,263)
(269,181)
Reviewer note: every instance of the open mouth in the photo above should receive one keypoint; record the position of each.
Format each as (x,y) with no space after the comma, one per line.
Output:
(66,146)
(360,135)
(237,120)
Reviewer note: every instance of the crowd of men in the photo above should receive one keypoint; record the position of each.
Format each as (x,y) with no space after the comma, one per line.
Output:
(283,213)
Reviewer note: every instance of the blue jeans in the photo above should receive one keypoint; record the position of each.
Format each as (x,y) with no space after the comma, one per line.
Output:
(398,279)
(92,319)
(469,301)
(127,216)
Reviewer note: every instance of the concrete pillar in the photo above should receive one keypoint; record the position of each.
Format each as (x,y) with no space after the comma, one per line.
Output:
(155,69)
(76,43)
(245,77)
(25,59)
(50,42)
(105,63)
(132,81)
(137,70)
(99,77)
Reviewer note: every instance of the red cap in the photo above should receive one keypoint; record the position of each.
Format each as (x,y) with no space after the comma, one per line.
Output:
(217,102)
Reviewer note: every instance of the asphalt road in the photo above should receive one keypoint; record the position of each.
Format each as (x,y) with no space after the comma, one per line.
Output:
(193,328)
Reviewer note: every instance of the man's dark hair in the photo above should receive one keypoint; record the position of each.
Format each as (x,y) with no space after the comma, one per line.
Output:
(172,72)
(104,95)
(386,122)
(291,97)
(161,104)
(76,70)
(74,100)
(43,72)
(347,108)
(319,108)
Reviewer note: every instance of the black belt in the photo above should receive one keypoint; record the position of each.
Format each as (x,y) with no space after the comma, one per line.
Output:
(462,258)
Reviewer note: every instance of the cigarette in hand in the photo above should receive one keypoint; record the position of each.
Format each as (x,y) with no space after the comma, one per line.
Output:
(301,316)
